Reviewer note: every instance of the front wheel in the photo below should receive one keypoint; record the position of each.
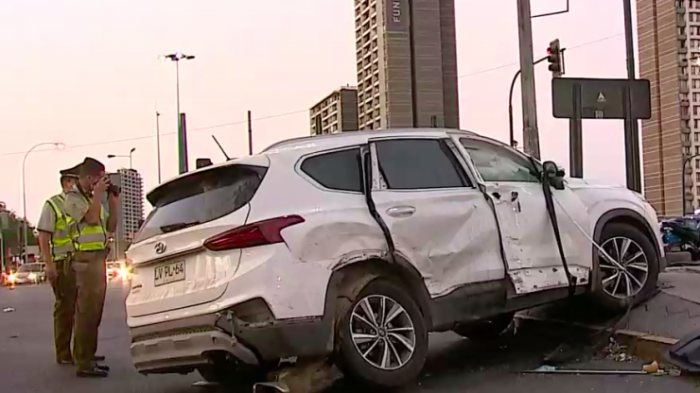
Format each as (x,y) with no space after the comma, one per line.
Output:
(382,337)
(631,269)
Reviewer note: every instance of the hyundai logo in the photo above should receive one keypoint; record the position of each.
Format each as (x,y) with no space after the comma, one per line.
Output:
(159,247)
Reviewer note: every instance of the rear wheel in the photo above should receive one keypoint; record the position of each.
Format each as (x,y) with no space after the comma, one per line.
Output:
(630,271)
(488,329)
(382,337)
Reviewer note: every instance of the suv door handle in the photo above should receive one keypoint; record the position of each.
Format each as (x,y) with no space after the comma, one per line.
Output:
(401,211)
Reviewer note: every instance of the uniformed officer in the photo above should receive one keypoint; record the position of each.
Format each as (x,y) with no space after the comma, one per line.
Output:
(84,205)
(56,233)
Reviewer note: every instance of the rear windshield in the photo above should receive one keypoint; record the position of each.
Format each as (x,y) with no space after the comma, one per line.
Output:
(199,198)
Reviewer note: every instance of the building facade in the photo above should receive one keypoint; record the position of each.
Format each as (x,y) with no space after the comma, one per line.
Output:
(669,49)
(337,112)
(131,212)
(406,63)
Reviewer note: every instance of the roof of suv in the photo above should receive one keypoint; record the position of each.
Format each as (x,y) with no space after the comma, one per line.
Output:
(319,142)
(324,142)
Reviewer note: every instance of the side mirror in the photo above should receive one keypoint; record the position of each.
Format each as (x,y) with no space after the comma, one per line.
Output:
(554,174)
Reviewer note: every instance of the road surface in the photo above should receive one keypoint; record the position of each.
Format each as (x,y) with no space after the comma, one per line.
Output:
(455,364)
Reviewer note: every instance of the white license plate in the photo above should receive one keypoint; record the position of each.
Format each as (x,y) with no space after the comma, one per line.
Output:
(170,273)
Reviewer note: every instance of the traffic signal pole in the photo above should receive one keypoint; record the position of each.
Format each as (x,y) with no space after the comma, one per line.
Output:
(527,68)
(632,159)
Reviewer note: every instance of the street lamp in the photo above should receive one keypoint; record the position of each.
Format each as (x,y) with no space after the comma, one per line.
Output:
(176,57)
(57,146)
(182,138)
(131,152)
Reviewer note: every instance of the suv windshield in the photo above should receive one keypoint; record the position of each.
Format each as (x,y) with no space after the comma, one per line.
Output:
(199,198)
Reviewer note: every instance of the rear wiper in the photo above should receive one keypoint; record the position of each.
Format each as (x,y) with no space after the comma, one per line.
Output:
(178,226)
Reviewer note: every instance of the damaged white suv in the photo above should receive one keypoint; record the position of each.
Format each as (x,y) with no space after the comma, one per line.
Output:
(355,246)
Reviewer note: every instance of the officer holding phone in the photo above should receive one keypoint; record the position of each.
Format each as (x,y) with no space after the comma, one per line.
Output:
(84,206)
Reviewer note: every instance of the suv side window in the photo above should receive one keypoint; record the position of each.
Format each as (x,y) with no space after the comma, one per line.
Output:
(498,164)
(410,164)
(338,170)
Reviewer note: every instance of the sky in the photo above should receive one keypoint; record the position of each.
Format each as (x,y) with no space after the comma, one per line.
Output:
(86,73)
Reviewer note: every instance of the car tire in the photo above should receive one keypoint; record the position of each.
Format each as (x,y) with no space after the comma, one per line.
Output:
(396,354)
(487,329)
(614,237)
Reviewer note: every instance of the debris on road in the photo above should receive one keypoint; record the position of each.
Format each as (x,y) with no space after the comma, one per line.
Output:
(651,368)
(8,309)
(554,370)
(617,352)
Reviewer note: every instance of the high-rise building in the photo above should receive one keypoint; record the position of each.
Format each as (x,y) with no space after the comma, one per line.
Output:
(337,112)
(669,49)
(406,63)
(130,209)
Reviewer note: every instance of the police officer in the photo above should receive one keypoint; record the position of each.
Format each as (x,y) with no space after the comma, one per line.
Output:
(84,205)
(56,232)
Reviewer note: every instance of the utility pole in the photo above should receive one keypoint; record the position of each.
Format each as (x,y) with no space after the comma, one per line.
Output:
(527,68)
(250,133)
(632,159)
(158,141)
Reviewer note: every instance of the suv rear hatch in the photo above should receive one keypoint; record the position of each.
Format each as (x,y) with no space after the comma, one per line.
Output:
(172,268)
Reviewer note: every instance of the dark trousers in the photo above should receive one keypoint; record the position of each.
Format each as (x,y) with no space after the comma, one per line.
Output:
(65,293)
(91,283)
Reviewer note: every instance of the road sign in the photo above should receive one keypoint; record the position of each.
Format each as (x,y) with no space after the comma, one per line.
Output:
(601,98)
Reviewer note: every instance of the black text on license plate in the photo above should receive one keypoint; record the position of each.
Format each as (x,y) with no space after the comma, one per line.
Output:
(172,272)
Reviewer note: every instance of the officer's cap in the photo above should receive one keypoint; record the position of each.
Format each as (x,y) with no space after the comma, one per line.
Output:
(71,172)
(91,166)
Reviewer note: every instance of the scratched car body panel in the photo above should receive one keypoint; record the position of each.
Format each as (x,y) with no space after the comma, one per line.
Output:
(270,232)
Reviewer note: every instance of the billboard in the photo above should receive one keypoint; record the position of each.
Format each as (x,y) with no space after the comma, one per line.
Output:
(396,14)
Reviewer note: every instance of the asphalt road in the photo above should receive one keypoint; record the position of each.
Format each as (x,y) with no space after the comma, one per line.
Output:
(455,364)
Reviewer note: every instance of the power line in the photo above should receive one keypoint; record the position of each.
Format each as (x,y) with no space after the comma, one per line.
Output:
(138,138)
(287,113)
(516,63)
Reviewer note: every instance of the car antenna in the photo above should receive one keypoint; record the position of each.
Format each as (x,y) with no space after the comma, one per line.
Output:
(222,149)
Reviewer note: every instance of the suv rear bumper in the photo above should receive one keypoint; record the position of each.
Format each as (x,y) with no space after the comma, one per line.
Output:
(182,345)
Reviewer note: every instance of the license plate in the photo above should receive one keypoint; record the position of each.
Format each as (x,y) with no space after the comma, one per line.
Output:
(170,273)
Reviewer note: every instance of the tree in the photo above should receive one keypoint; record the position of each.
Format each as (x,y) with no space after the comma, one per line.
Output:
(13,231)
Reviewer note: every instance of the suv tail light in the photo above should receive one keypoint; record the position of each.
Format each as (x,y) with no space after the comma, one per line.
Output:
(257,234)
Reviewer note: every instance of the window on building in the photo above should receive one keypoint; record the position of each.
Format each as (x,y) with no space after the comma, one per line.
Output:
(437,167)
(339,170)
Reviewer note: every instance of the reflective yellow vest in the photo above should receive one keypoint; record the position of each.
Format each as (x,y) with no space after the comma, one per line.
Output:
(65,229)
(91,237)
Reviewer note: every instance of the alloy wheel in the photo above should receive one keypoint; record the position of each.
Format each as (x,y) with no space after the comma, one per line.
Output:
(626,275)
(382,332)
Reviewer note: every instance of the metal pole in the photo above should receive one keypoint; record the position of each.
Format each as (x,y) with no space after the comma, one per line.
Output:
(131,166)
(529,102)
(632,159)
(576,137)
(250,133)
(158,141)
(24,206)
(510,109)
(177,87)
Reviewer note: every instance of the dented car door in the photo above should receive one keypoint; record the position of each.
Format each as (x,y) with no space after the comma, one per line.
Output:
(435,215)
(512,183)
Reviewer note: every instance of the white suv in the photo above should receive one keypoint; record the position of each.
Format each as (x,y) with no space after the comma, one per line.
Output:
(356,245)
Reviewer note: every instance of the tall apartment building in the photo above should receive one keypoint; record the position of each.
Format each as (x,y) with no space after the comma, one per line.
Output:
(669,56)
(337,112)
(130,209)
(406,63)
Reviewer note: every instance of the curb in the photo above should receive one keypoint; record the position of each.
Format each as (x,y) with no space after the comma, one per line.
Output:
(644,346)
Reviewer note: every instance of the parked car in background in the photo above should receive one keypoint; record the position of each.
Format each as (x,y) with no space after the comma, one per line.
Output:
(29,273)
(118,270)
(357,245)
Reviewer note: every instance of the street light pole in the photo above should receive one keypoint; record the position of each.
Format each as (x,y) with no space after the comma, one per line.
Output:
(158,141)
(510,102)
(58,146)
(129,156)
(182,141)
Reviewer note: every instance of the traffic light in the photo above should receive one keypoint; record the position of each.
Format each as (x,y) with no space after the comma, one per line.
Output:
(554,56)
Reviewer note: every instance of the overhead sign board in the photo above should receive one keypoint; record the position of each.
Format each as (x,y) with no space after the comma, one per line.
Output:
(601,98)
